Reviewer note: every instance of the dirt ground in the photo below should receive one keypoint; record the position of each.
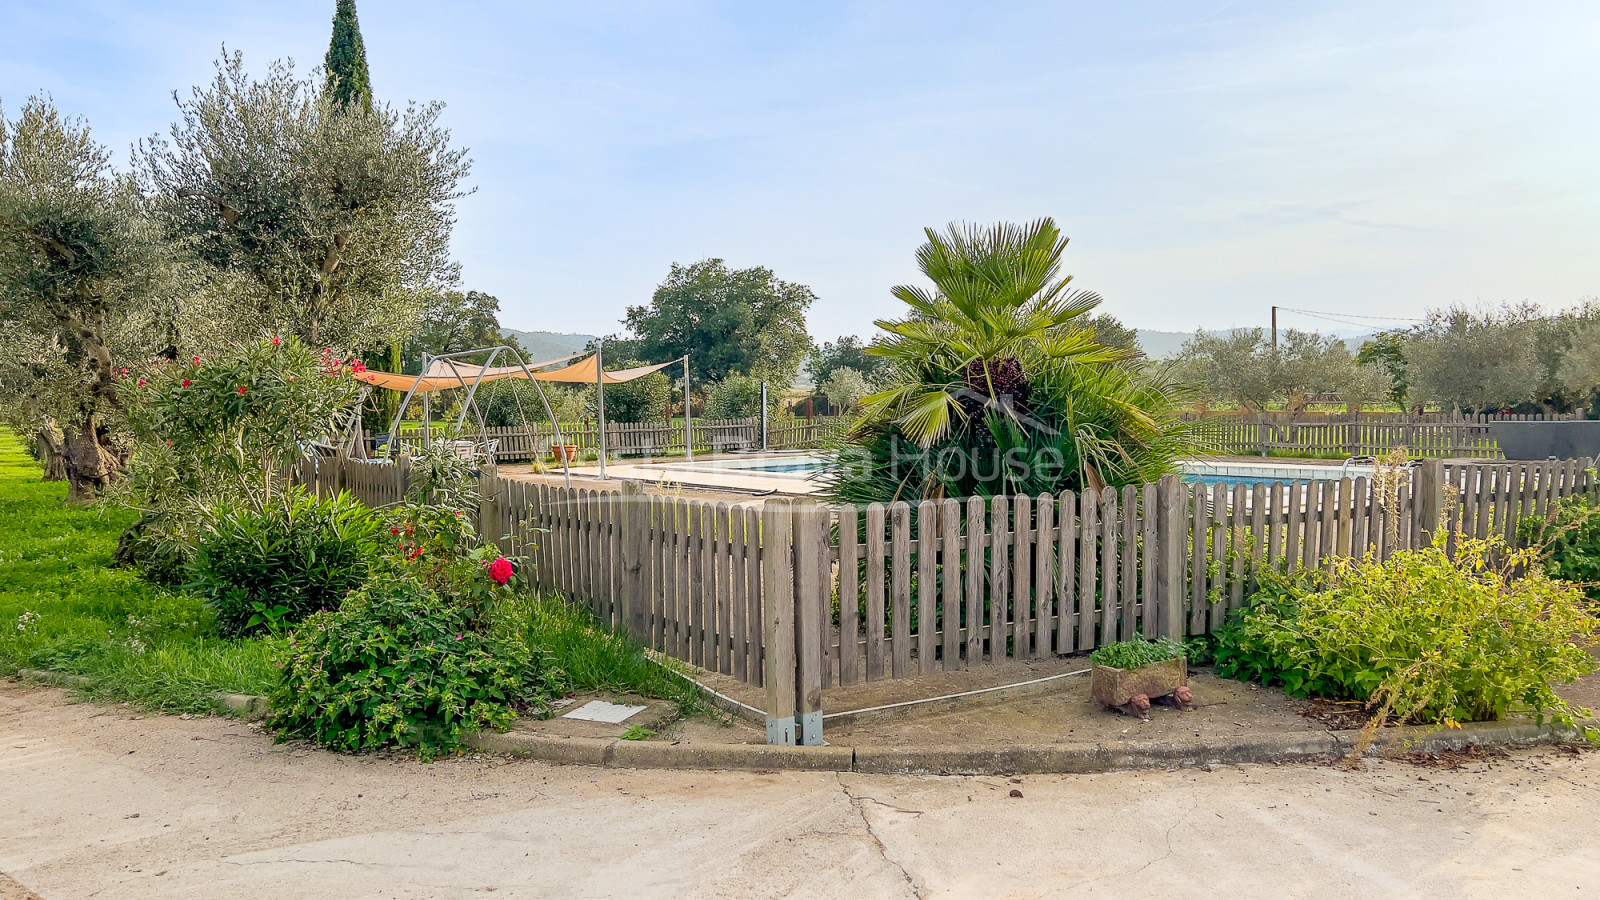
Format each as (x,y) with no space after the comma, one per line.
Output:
(102,801)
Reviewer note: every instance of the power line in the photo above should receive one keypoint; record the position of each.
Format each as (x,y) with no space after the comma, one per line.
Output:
(1318,313)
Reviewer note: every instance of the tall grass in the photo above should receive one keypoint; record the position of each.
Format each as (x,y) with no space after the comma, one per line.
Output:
(595,658)
(63,608)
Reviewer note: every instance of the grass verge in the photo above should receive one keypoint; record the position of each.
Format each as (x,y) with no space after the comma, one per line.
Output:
(594,658)
(63,608)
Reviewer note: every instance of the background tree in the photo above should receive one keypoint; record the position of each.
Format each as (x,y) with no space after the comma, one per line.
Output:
(844,388)
(1232,367)
(346,62)
(328,221)
(1109,330)
(730,322)
(640,400)
(1387,350)
(1580,369)
(1475,361)
(1310,365)
(849,352)
(1366,385)
(734,397)
(455,322)
(78,260)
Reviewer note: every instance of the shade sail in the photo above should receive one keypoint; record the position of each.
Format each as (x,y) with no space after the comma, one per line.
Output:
(583,372)
(444,374)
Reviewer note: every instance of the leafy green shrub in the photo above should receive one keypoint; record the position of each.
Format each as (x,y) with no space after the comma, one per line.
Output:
(738,397)
(227,425)
(1419,636)
(1569,542)
(259,568)
(400,665)
(1136,653)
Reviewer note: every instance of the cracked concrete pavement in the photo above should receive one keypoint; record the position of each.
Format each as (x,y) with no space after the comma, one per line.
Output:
(105,802)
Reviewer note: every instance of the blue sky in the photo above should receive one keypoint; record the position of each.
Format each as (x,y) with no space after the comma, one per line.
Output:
(1208,159)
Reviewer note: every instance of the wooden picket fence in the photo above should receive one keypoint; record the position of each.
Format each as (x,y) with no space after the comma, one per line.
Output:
(796,596)
(1362,434)
(517,444)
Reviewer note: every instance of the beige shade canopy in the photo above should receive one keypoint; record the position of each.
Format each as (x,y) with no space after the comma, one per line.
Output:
(444,374)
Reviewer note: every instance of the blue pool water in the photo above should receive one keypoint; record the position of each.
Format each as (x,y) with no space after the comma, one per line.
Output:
(783,467)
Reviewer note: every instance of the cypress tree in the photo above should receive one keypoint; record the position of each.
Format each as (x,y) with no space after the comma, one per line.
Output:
(347,59)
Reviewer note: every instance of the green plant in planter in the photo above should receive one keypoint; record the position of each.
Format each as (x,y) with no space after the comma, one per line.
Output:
(268,567)
(1136,653)
(400,665)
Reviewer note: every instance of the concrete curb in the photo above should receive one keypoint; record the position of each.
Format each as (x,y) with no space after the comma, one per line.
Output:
(1083,759)
(247,705)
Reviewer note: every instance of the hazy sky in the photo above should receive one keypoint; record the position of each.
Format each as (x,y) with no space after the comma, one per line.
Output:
(1208,159)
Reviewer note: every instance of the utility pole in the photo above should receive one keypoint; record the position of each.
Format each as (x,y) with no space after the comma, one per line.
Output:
(1274,328)
(600,400)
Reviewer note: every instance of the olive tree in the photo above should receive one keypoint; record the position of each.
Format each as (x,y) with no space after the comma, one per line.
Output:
(329,220)
(82,274)
(1475,361)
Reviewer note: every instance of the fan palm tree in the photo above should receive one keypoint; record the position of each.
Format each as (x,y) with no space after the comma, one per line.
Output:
(995,364)
(998,296)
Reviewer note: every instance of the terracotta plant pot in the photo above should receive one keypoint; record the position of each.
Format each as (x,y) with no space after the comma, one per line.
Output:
(1131,690)
(564,452)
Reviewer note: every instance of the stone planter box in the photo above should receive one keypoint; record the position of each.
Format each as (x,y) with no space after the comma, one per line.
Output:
(1122,688)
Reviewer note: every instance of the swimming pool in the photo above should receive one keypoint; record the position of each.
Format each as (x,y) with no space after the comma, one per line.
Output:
(796,472)
(1201,472)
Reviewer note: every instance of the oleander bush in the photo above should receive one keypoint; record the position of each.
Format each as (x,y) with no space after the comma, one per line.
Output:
(1420,637)
(263,568)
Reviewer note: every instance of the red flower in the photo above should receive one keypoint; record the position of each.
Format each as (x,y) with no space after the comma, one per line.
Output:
(358,366)
(197,360)
(394,531)
(186,382)
(141,382)
(500,570)
(241,390)
(275,340)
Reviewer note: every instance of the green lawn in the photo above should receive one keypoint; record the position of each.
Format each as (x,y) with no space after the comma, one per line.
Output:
(62,608)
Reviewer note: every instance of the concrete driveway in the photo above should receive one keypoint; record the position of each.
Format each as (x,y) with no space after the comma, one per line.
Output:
(100,801)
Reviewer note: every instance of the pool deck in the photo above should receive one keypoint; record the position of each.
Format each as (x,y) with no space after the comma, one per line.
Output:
(676,477)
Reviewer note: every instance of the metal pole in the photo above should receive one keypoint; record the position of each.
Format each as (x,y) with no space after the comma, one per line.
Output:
(688,430)
(427,406)
(1274,328)
(600,400)
(763,416)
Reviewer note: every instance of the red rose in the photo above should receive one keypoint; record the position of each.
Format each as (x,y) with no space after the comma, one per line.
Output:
(500,570)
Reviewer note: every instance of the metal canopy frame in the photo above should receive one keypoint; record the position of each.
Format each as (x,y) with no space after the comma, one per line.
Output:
(470,402)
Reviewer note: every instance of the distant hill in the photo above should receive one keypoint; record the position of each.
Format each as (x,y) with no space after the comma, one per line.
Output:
(548,344)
